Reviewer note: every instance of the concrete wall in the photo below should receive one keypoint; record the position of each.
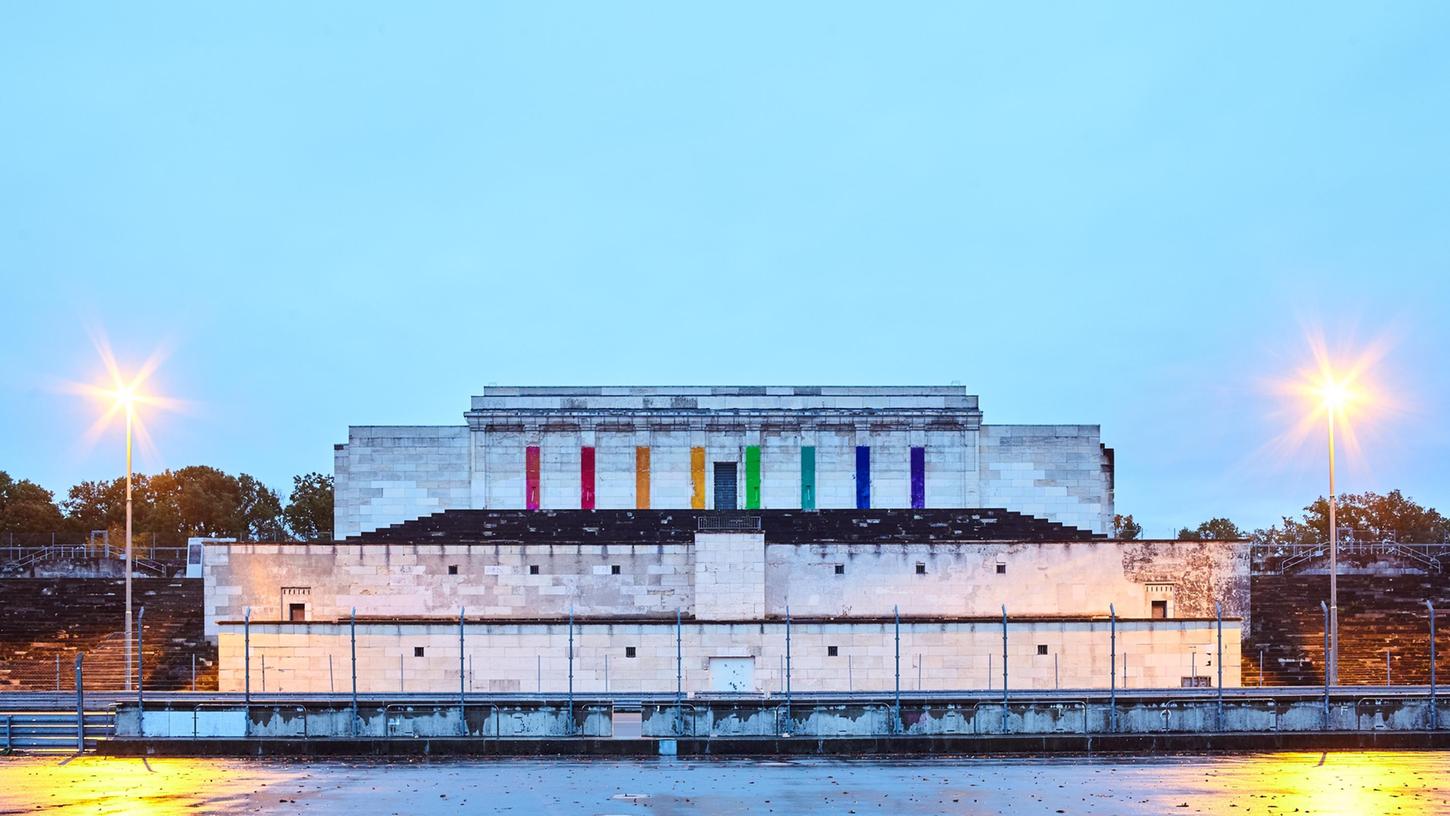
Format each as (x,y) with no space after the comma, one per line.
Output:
(724,577)
(387,475)
(506,657)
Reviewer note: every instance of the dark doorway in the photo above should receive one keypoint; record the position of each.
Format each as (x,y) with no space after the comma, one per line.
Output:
(724,485)
(296,612)
(1160,610)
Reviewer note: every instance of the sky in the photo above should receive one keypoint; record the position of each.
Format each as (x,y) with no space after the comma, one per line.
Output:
(1138,215)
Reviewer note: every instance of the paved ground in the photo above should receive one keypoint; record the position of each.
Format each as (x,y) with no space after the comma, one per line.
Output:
(1336,783)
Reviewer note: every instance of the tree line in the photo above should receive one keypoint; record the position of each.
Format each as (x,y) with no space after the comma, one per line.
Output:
(1364,517)
(171,506)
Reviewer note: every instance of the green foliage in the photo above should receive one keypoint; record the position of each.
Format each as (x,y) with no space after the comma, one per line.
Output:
(309,508)
(1124,527)
(1215,529)
(26,507)
(1365,517)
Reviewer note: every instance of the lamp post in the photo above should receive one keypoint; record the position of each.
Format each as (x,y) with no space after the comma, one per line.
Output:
(1334,395)
(126,401)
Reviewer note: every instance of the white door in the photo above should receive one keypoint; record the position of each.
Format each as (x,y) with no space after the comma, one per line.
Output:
(734,674)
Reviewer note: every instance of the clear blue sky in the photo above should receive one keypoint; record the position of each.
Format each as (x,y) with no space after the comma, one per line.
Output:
(1125,214)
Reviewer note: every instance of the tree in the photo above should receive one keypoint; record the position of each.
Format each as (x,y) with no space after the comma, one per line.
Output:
(1215,529)
(1363,517)
(309,508)
(1125,528)
(260,510)
(176,504)
(26,507)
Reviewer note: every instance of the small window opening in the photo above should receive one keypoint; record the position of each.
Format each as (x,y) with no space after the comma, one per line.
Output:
(1001,569)
(613,569)
(1042,648)
(840,569)
(417,651)
(452,569)
(832,651)
(629,651)
(533,569)
(920,568)
(296,612)
(1160,610)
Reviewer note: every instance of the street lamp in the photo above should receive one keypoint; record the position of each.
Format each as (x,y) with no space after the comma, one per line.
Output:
(126,400)
(126,396)
(1334,395)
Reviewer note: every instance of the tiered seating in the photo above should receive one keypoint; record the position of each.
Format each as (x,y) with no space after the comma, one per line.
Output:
(45,619)
(679,526)
(1376,612)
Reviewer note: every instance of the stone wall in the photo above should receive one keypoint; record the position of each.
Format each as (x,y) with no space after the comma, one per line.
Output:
(1030,578)
(509,657)
(387,475)
(390,474)
(1059,472)
(725,577)
(503,580)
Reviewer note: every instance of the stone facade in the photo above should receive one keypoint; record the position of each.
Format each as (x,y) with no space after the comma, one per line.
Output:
(725,577)
(742,657)
(693,447)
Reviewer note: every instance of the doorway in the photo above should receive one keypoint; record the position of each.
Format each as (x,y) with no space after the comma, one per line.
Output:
(725,485)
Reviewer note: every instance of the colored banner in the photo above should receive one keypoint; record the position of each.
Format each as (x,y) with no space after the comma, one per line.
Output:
(586,478)
(808,477)
(641,478)
(697,478)
(918,478)
(752,477)
(863,477)
(531,477)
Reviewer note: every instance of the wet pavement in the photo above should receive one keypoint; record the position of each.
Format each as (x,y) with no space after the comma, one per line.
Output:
(1407,783)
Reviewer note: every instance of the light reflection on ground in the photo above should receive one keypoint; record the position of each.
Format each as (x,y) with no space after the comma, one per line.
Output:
(1408,783)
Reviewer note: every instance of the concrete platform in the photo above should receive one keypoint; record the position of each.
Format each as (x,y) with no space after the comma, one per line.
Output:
(905,746)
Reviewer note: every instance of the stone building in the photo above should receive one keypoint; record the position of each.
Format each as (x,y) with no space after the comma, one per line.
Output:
(763,447)
(525,588)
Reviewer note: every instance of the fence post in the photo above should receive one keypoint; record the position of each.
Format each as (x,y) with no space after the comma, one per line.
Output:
(1112,668)
(787,669)
(896,714)
(462,679)
(140,676)
(1218,615)
(193,670)
(1324,606)
(1004,668)
(80,705)
(571,670)
(679,678)
(352,641)
(247,663)
(1434,712)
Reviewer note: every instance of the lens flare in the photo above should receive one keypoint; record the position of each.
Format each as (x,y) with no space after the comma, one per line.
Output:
(1334,385)
(124,395)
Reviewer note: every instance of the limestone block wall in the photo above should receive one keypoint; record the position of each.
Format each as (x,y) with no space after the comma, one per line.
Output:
(729,576)
(388,474)
(1058,472)
(624,657)
(504,580)
(726,576)
(970,579)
